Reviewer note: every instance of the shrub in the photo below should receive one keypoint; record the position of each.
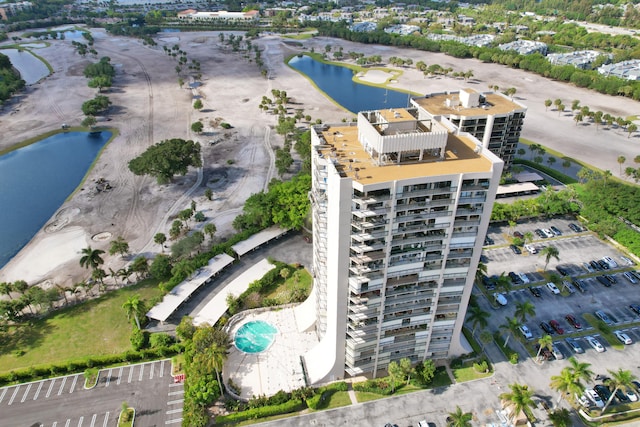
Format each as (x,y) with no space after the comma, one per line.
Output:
(261,412)
(160,340)
(138,339)
(481,367)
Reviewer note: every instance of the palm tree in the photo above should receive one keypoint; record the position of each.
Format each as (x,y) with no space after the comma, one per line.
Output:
(566,383)
(134,306)
(481,271)
(520,398)
(547,104)
(621,160)
(159,239)
(560,418)
(619,380)
(91,258)
(525,309)
(528,237)
(485,338)
(119,246)
(544,341)
(550,252)
(478,317)
(510,327)
(459,418)
(580,370)
(503,282)
(5,289)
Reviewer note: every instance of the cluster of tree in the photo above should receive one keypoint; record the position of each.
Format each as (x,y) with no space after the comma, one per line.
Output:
(166,159)
(12,310)
(548,203)
(598,117)
(10,81)
(100,74)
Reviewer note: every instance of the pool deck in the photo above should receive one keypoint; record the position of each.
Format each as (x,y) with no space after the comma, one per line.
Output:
(277,368)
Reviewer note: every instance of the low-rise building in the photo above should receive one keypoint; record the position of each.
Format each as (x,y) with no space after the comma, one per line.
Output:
(194,15)
(525,47)
(582,59)
(629,70)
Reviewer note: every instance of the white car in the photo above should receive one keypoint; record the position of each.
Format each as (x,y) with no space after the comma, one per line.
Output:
(630,277)
(526,332)
(548,233)
(582,400)
(594,397)
(624,338)
(610,261)
(524,278)
(531,249)
(553,288)
(593,342)
(627,261)
(632,396)
(500,299)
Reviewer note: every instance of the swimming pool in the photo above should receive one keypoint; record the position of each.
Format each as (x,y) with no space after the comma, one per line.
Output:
(255,336)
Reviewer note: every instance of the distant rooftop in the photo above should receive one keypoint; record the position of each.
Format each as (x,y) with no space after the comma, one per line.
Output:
(450,103)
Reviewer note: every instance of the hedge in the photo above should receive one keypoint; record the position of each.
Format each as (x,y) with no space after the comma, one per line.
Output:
(262,412)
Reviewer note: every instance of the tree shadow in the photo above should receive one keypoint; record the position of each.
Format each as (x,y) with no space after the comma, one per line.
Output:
(24,336)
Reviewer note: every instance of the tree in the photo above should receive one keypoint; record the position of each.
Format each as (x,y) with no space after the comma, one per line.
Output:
(100,82)
(161,267)
(547,104)
(198,104)
(5,289)
(621,160)
(427,371)
(89,122)
(140,266)
(485,338)
(580,370)
(91,258)
(166,159)
(208,193)
(197,127)
(631,129)
(566,383)
(510,327)
(511,91)
(160,238)
(478,317)
(135,307)
(185,329)
(575,104)
(561,108)
(550,252)
(545,341)
(210,229)
(578,118)
(619,380)
(503,283)
(525,309)
(96,106)
(520,398)
(560,418)
(119,246)
(459,418)
(407,368)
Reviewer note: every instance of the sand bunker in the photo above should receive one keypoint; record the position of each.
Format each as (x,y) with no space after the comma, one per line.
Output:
(101,237)
(375,76)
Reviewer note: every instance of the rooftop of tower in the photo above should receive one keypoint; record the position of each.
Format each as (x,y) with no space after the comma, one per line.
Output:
(341,145)
(481,104)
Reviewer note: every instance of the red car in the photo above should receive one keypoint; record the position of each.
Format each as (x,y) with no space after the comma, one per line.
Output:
(556,327)
(572,321)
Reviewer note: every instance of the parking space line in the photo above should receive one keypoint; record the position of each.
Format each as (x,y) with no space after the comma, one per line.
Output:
(14,395)
(93,420)
(108,378)
(175,384)
(64,380)
(177,420)
(106,419)
(174,393)
(55,423)
(119,376)
(24,396)
(130,373)
(50,388)
(4,391)
(173,402)
(80,421)
(161,368)
(68,422)
(73,386)
(151,371)
(173,411)
(38,390)
(141,372)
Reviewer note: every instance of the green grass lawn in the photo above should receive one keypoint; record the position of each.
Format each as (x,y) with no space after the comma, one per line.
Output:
(468,373)
(283,292)
(95,327)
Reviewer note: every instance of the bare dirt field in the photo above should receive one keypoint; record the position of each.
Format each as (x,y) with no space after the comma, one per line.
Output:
(150,106)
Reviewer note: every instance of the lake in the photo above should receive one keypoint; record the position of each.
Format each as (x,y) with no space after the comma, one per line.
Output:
(31,69)
(35,180)
(337,82)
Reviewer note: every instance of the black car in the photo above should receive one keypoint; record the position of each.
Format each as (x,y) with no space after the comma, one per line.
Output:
(580,285)
(611,279)
(635,308)
(488,241)
(595,265)
(575,228)
(562,270)
(603,264)
(604,281)
(516,250)
(489,282)
(603,391)
(547,328)
(515,278)
(555,230)
(518,234)
(536,292)
(621,396)
(540,233)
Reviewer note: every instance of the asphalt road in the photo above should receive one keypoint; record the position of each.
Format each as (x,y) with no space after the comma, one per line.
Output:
(64,402)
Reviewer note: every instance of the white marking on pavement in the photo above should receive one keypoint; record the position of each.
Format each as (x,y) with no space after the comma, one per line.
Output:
(174,411)
(173,393)
(119,376)
(14,395)
(161,368)
(130,373)
(73,386)
(177,420)
(141,372)
(24,396)
(68,422)
(151,372)
(173,402)
(38,390)
(106,419)
(3,393)
(108,378)
(93,419)
(50,388)
(64,380)
(80,421)
(175,385)
(55,423)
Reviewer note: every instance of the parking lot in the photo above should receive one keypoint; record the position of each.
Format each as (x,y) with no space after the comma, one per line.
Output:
(63,401)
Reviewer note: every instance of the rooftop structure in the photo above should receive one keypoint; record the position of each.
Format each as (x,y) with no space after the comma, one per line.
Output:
(401,204)
(629,70)
(402,29)
(525,47)
(582,59)
(491,117)
(194,15)
(478,40)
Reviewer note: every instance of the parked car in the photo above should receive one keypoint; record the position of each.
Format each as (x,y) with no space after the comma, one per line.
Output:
(557,353)
(526,333)
(540,233)
(594,397)
(635,308)
(580,285)
(577,348)
(611,278)
(500,299)
(524,278)
(603,391)
(546,327)
(595,265)
(603,264)
(515,278)
(553,288)
(624,338)
(488,241)
(610,262)
(516,250)
(556,326)
(603,316)
(631,396)
(636,384)
(573,321)
(604,281)
(555,230)
(588,267)
(545,353)
(627,261)
(548,233)
(574,227)
(489,282)
(518,234)
(562,270)
(582,400)
(630,277)
(536,291)
(622,396)
(531,249)
(425,423)
(593,342)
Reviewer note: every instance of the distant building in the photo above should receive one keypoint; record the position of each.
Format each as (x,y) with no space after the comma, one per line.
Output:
(525,47)
(582,59)
(403,30)
(194,15)
(363,27)
(7,10)
(478,40)
(629,70)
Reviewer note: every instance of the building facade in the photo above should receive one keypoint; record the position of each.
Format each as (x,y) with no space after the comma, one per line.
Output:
(491,117)
(401,204)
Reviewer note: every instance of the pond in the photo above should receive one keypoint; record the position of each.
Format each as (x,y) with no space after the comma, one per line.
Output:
(31,69)
(35,180)
(337,82)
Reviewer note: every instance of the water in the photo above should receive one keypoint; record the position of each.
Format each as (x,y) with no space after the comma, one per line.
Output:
(71,34)
(35,180)
(255,336)
(337,82)
(31,69)
(170,30)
